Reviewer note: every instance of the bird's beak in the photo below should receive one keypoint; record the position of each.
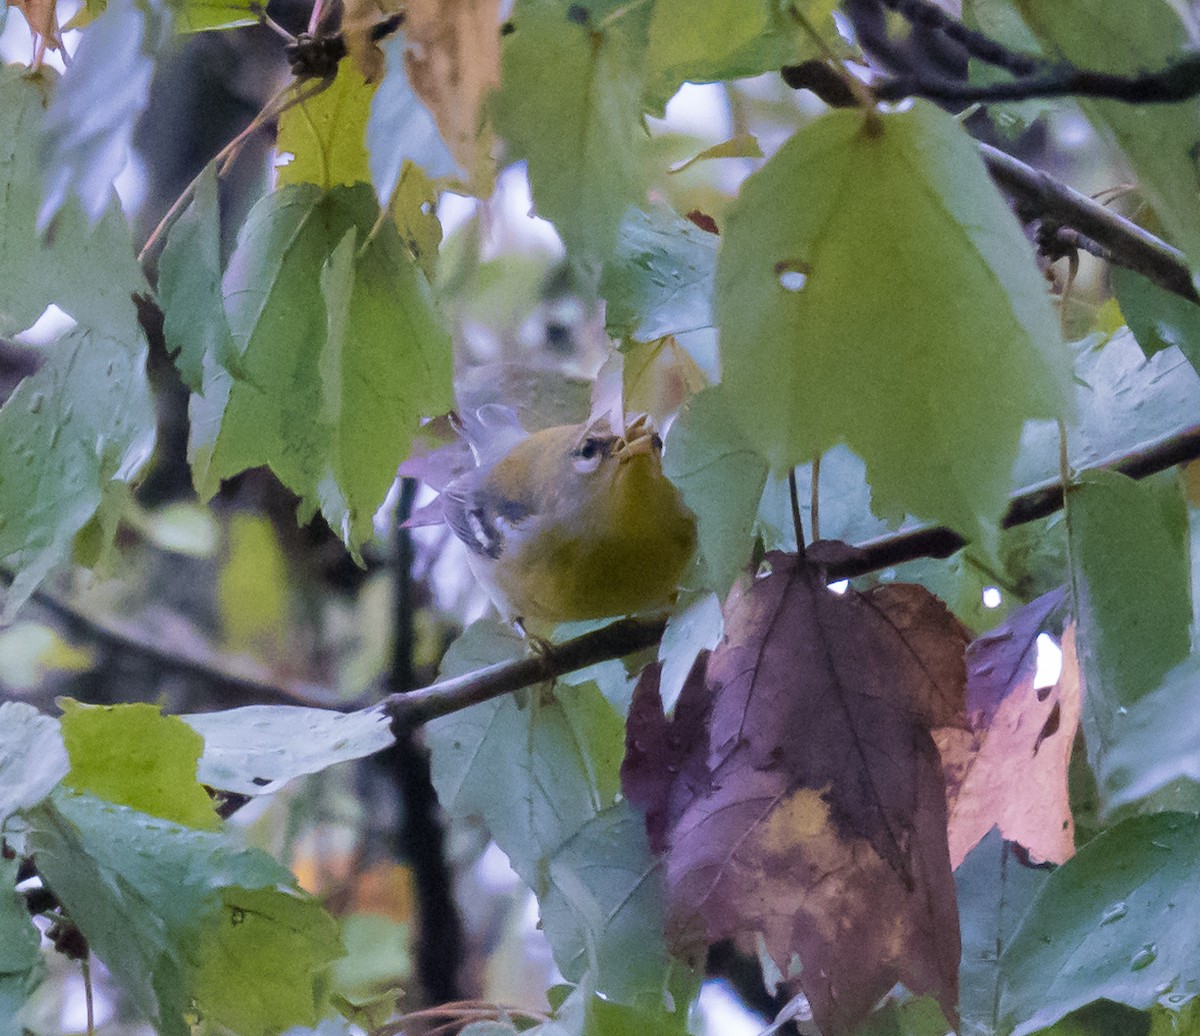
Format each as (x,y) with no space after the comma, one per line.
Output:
(640,439)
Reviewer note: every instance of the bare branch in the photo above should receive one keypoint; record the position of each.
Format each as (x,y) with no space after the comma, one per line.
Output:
(922,12)
(1026,506)
(1177,82)
(1039,195)
(625,636)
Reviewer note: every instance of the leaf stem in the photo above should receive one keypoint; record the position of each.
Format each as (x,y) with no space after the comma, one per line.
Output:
(314,18)
(815,503)
(88,998)
(797,521)
(274,107)
(621,12)
(863,96)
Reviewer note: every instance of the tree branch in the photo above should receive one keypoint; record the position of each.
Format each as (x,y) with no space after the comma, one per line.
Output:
(620,638)
(232,676)
(438,941)
(1177,82)
(626,636)
(976,44)
(1026,506)
(1039,195)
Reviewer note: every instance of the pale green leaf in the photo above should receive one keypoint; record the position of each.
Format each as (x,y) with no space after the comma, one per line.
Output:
(826,290)
(844,509)
(386,362)
(1129,559)
(1158,318)
(163,907)
(1159,140)
(252,587)
(262,960)
(33,653)
(89,125)
(89,272)
(32,757)
(21,965)
(201,15)
(913,1016)
(1000,21)
(189,284)
(135,756)
(659,280)
(692,627)
(721,477)
(741,145)
(257,749)
(377,961)
(1123,401)
(1179,1017)
(326,134)
(996,884)
(535,767)
(569,105)
(1115,922)
(604,913)
(328,398)
(400,128)
(727,39)
(85,419)
(1154,744)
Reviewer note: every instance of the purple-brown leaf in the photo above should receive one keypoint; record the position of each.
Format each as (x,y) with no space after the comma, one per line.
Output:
(805,802)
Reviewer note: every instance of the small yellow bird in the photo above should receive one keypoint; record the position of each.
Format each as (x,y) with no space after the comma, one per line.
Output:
(574,522)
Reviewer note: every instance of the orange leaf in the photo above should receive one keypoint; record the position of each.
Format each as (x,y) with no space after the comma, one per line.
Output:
(1010,771)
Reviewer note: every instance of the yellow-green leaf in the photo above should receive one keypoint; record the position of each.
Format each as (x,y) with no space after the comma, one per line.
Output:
(327,134)
(135,756)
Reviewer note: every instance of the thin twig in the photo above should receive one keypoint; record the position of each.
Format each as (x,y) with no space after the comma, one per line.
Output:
(275,106)
(185,196)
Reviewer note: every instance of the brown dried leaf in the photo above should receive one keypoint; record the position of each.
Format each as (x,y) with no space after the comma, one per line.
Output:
(40,14)
(454,64)
(1010,771)
(359,18)
(808,804)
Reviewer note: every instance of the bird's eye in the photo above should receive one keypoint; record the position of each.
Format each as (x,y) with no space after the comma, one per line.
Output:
(594,446)
(588,454)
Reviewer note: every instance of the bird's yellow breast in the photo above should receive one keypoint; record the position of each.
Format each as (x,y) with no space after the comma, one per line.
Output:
(621,550)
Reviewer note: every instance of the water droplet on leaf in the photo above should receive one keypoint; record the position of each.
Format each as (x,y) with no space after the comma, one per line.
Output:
(1144,957)
(1114,913)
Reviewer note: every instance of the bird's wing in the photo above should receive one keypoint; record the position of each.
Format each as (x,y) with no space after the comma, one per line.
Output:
(483,525)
